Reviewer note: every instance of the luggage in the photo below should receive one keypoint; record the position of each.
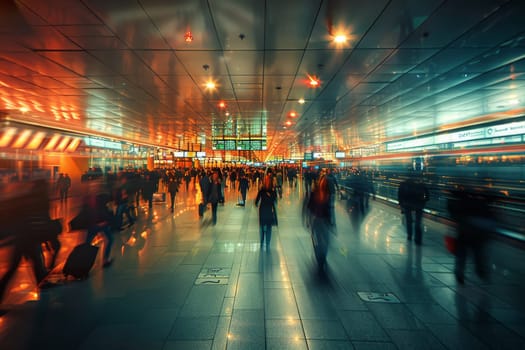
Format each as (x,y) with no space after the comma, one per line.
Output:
(80,261)
(159,197)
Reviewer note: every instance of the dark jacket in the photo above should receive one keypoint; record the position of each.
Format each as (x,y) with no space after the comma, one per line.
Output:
(214,193)
(267,200)
(412,194)
(173,186)
(96,208)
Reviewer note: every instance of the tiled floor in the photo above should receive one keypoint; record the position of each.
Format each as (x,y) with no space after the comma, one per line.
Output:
(182,283)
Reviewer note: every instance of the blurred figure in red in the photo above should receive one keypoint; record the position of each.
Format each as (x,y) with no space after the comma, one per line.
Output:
(321,223)
(475,222)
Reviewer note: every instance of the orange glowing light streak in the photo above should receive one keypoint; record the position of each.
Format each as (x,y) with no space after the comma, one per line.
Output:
(7,137)
(63,144)
(22,139)
(36,141)
(73,145)
(312,81)
(52,143)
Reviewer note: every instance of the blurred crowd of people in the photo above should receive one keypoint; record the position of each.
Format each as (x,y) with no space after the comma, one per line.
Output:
(111,204)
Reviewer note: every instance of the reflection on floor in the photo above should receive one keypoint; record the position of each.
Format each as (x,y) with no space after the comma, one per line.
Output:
(179,282)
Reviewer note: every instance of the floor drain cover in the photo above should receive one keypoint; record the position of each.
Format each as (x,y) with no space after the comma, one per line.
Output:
(213,275)
(375,297)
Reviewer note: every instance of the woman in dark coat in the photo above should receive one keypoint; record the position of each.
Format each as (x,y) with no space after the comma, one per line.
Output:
(214,195)
(267,214)
(173,188)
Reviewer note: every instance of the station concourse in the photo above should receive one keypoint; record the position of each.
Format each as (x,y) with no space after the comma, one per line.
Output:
(179,282)
(380,92)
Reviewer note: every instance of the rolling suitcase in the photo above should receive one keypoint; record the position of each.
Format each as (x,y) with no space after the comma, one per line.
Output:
(159,197)
(80,261)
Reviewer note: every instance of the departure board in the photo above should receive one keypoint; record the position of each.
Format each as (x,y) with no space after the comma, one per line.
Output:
(224,145)
(240,144)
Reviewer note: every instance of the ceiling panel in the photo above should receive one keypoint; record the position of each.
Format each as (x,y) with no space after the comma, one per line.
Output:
(124,67)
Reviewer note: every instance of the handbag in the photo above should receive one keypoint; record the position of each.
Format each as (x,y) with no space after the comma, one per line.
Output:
(450,244)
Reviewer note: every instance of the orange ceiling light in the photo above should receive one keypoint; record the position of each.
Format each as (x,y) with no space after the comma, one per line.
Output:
(7,137)
(210,85)
(188,37)
(22,139)
(222,104)
(288,123)
(313,81)
(292,114)
(36,141)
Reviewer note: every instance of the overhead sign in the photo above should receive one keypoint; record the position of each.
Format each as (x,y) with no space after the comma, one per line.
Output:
(495,134)
(92,142)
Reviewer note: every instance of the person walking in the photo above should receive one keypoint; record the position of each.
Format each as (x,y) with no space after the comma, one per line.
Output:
(244,185)
(475,222)
(173,188)
(63,184)
(148,188)
(412,197)
(28,211)
(267,214)
(320,219)
(214,195)
(99,218)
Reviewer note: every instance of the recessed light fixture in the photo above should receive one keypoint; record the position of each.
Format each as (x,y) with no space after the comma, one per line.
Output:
(340,38)
(301,101)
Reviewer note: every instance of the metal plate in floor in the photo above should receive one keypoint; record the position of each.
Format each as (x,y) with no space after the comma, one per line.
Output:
(213,276)
(375,297)
(211,281)
(215,272)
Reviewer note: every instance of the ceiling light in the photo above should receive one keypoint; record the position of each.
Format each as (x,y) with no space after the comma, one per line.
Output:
(288,123)
(340,38)
(313,81)
(301,101)
(292,114)
(188,37)
(210,85)
(222,104)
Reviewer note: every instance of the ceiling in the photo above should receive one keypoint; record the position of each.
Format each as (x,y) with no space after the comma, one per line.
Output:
(122,68)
